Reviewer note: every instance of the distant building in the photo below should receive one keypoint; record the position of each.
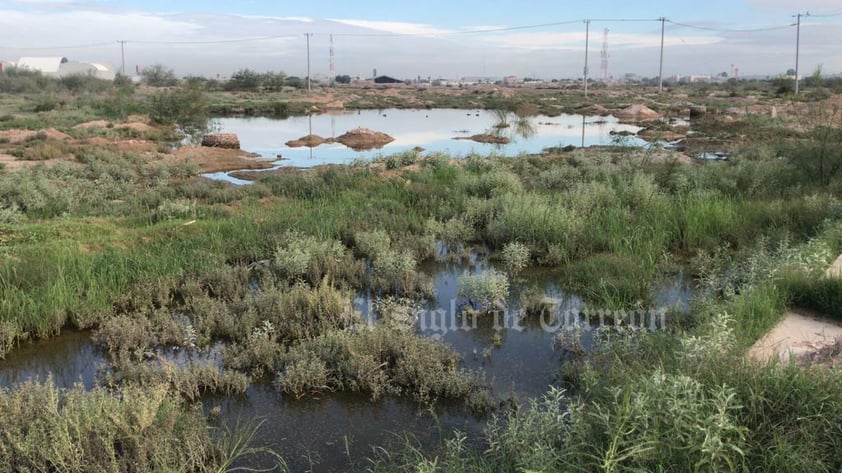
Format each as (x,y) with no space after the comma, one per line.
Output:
(58,67)
(386,80)
(691,79)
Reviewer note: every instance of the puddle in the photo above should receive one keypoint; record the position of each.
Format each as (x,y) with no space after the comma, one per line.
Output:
(714,156)
(432,130)
(337,431)
(69,358)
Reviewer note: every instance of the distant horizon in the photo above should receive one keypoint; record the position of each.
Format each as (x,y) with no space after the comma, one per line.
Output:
(438,39)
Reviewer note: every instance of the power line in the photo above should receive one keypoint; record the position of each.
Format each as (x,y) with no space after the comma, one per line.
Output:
(43,48)
(827,15)
(220,41)
(731,30)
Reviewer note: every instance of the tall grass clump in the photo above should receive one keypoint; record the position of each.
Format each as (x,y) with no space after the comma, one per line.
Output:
(131,430)
(487,290)
(309,258)
(515,257)
(375,360)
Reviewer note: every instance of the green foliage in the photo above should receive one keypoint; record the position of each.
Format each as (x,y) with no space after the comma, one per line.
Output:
(132,430)
(378,361)
(822,294)
(487,289)
(249,80)
(343,79)
(158,75)
(515,257)
(818,156)
(186,107)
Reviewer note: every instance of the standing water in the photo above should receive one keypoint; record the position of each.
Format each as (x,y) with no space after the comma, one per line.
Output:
(433,130)
(337,431)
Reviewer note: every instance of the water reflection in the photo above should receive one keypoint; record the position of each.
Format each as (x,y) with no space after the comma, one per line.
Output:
(433,130)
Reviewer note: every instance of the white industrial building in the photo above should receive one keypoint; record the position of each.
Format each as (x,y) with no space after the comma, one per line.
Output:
(60,67)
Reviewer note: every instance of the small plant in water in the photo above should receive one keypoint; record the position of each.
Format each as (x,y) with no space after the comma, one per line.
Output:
(515,257)
(485,290)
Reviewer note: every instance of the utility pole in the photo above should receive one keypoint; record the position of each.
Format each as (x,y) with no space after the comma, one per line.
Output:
(587,40)
(661,67)
(798,47)
(332,65)
(123,57)
(308,61)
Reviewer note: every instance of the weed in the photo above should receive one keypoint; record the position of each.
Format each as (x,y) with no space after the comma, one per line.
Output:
(378,361)
(515,257)
(487,290)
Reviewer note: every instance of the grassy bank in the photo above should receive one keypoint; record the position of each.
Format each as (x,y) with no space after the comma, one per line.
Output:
(157,259)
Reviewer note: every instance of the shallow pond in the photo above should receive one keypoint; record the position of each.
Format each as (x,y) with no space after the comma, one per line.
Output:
(337,431)
(434,130)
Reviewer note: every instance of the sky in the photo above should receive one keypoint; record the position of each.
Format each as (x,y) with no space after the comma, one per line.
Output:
(431,38)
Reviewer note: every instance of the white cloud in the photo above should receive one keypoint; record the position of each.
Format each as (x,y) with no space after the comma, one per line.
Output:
(417,29)
(435,51)
(301,19)
(815,6)
(576,40)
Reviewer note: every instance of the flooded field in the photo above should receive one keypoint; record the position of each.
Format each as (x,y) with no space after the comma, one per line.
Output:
(433,130)
(515,355)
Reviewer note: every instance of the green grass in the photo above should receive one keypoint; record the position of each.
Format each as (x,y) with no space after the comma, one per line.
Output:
(133,430)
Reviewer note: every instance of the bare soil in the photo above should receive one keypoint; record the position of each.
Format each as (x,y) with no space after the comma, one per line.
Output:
(220,159)
(800,334)
(803,335)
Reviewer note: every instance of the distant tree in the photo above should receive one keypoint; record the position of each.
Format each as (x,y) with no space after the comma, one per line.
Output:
(297,82)
(272,81)
(158,75)
(186,107)
(816,79)
(244,79)
(343,79)
(790,72)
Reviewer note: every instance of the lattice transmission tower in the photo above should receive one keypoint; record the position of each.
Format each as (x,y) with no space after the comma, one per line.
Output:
(603,67)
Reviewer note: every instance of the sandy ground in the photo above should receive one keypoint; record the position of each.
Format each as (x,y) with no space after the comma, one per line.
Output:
(835,270)
(220,159)
(801,334)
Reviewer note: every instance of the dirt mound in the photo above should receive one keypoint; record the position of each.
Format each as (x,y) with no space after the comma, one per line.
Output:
(310,141)
(486,138)
(651,134)
(219,159)
(221,140)
(362,139)
(94,124)
(593,110)
(16,135)
(136,126)
(637,112)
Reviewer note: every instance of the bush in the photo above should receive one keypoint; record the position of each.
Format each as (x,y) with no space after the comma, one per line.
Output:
(186,107)
(131,430)
(515,257)
(485,290)
(158,75)
(378,361)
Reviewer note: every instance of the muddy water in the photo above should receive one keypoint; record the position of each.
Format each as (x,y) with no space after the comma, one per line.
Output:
(433,130)
(337,431)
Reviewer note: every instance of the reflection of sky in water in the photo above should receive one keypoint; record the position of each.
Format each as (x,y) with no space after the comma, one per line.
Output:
(433,130)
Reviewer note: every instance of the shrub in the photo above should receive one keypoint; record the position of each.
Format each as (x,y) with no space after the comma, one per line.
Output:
(158,75)
(515,257)
(378,361)
(486,290)
(132,430)
(186,107)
